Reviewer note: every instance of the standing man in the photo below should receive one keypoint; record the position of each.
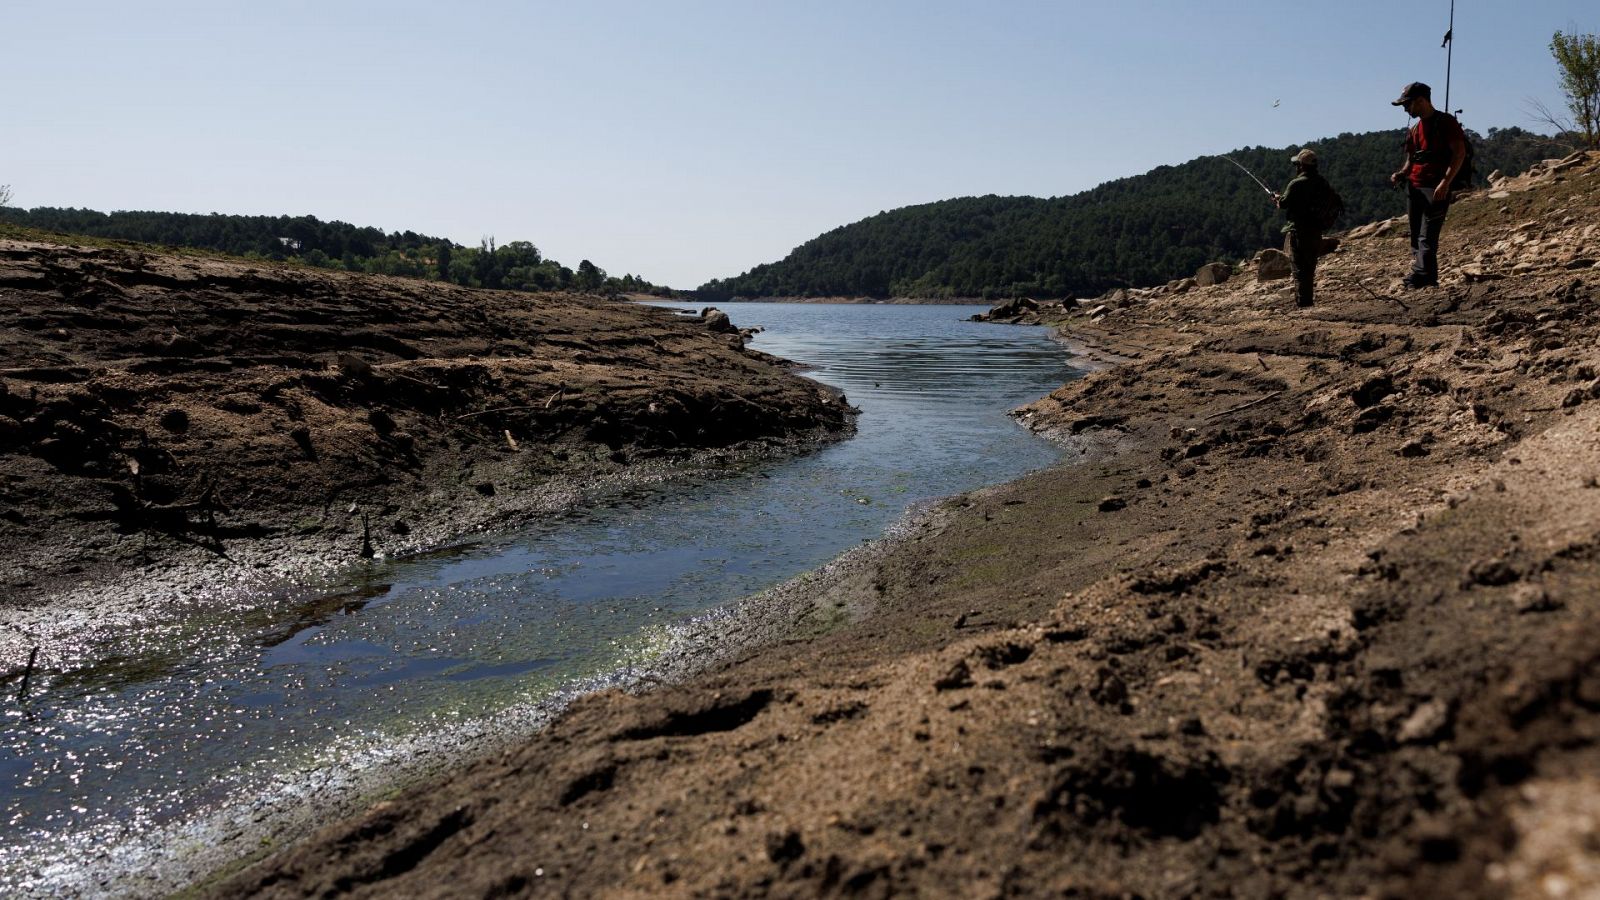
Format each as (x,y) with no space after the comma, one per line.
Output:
(1304,200)
(1436,149)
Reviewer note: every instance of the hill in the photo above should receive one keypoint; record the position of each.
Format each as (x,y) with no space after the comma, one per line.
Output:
(1132,232)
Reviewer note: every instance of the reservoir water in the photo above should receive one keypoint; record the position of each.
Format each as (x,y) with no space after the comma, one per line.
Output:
(208,706)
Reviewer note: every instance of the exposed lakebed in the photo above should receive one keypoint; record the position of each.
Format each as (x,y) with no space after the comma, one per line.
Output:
(193,712)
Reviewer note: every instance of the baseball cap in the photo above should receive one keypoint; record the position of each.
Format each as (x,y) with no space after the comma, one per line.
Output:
(1411,92)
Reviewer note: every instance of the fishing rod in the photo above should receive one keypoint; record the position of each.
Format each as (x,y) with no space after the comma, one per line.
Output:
(1270,192)
(1449,41)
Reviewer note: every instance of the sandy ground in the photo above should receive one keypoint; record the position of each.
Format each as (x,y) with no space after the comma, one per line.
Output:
(1313,612)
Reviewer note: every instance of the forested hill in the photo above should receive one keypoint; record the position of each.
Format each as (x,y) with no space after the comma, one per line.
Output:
(517,265)
(1138,231)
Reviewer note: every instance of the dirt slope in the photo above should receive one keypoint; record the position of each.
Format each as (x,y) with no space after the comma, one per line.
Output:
(156,405)
(1315,613)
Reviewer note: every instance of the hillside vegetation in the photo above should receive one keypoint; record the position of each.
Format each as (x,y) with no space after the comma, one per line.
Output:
(1133,232)
(518,265)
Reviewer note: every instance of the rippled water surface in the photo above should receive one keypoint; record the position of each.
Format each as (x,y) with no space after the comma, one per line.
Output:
(199,709)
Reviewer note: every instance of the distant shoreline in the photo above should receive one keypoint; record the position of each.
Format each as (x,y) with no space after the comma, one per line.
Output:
(864,301)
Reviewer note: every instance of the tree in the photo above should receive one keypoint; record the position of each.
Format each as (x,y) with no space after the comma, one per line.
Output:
(441,257)
(1578,56)
(5,195)
(590,276)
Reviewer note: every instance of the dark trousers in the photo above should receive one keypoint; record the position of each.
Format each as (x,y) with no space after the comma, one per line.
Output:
(1305,245)
(1427,221)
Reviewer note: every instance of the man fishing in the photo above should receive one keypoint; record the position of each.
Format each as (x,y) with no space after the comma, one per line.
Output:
(1305,201)
(1436,149)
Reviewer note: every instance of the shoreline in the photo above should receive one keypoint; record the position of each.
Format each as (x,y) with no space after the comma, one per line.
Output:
(196,422)
(185,857)
(72,624)
(1323,624)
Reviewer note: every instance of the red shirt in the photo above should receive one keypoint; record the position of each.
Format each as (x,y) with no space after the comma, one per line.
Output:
(1446,135)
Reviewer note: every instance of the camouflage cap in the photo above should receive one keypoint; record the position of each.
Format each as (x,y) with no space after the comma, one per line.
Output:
(1307,156)
(1411,92)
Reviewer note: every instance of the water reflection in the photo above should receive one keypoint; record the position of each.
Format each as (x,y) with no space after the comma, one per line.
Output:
(198,708)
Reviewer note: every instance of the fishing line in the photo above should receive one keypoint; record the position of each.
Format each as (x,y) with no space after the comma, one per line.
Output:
(1270,192)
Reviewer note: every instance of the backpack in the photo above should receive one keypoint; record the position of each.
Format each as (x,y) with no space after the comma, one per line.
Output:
(1329,207)
(1463,180)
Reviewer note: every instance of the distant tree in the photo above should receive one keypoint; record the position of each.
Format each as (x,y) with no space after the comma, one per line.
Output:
(589,277)
(5,195)
(1578,56)
(441,260)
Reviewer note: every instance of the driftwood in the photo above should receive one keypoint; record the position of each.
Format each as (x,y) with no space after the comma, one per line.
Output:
(1234,409)
(27,674)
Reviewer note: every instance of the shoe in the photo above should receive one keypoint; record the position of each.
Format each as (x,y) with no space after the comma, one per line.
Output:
(1412,282)
(1303,303)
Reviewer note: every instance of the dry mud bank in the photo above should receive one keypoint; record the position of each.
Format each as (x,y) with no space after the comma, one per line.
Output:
(174,423)
(1314,614)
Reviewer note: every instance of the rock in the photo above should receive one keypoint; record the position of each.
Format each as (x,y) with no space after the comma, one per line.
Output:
(1213,274)
(1109,689)
(718,321)
(785,846)
(1413,448)
(1272,264)
(12,434)
(1112,503)
(1098,312)
(1492,573)
(1533,598)
(1010,309)
(178,345)
(301,435)
(175,420)
(1372,391)
(1499,195)
(1425,724)
(959,676)
(354,366)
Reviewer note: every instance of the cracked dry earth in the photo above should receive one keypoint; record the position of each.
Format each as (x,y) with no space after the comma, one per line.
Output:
(159,410)
(1317,616)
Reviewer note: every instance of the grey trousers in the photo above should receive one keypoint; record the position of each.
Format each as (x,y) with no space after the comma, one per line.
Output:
(1427,221)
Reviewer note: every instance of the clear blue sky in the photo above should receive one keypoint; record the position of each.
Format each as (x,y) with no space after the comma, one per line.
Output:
(682,141)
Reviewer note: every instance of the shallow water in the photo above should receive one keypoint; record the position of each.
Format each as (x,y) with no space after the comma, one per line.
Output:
(195,710)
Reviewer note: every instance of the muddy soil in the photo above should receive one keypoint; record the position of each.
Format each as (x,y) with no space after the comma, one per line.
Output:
(1313,613)
(184,422)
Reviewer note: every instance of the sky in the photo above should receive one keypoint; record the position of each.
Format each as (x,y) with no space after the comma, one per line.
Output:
(685,140)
